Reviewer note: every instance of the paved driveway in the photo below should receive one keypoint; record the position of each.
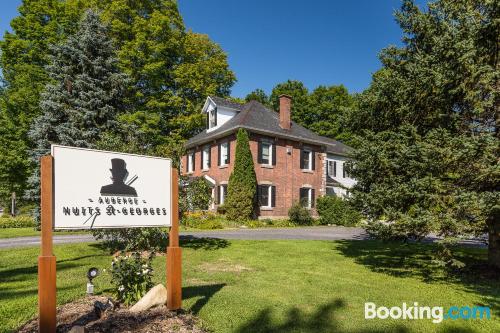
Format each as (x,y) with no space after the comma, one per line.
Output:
(307,233)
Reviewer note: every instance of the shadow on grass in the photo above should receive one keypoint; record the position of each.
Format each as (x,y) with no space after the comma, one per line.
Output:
(416,260)
(323,319)
(203,243)
(205,291)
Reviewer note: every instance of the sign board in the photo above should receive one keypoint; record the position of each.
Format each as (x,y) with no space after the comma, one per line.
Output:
(100,189)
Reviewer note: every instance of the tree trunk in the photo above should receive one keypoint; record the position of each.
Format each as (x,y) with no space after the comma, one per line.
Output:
(494,237)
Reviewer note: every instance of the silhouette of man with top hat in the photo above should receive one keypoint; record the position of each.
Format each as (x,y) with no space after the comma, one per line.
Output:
(119,174)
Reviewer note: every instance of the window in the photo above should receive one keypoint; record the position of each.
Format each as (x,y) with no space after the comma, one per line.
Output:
(212,118)
(307,159)
(267,152)
(267,196)
(307,197)
(222,194)
(344,171)
(190,162)
(205,158)
(224,152)
(331,168)
(330,191)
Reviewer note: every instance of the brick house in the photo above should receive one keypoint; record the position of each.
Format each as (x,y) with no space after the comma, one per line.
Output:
(291,162)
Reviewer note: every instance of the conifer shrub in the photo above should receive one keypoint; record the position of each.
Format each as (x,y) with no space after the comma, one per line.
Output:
(241,197)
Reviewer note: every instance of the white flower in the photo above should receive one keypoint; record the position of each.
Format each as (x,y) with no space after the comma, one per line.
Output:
(145,271)
(104,270)
(121,288)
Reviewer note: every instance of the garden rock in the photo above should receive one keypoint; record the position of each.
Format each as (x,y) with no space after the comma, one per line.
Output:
(156,296)
(78,329)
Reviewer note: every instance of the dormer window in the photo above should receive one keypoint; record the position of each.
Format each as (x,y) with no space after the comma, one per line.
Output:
(212,118)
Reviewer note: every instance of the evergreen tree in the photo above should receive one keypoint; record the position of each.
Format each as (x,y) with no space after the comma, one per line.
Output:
(84,97)
(242,186)
(428,126)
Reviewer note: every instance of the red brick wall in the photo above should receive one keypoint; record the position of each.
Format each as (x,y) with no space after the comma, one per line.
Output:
(286,175)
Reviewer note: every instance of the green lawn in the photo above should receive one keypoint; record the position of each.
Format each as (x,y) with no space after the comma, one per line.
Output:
(25,232)
(275,286)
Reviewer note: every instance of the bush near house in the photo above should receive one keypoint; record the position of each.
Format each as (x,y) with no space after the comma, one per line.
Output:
(334,210)
(17,222)
(300,215)
(242,187)
(203,220)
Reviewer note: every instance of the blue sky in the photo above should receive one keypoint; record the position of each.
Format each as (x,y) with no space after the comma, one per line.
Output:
(318,42)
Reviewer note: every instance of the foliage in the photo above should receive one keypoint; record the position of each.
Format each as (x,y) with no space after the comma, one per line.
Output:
(335,210)
(131,276)
(83,98)
(258,95)
(428,126)
(132,239)
(299,214)
(241,197)
(203,220)
(20,221)
(299,93)
(195,195)
(171,72)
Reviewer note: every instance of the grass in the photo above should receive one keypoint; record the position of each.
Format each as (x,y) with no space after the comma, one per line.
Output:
(276,286)
(26,232)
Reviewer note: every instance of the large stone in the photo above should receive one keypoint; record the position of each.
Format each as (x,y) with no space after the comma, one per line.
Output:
(78,329)
(156,296)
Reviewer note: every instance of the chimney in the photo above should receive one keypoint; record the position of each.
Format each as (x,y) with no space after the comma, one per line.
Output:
(285,106)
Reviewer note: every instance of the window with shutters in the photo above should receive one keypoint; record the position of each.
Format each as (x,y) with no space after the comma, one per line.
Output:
(224,153)
(306,159)
(205,157)
(266,195)
(307,197)
(222,194)
(190,162)
(267,152)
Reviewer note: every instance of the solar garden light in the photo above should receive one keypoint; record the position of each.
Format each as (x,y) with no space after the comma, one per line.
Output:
(91,274)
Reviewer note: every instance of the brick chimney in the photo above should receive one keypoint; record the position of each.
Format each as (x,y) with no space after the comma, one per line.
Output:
(285,106)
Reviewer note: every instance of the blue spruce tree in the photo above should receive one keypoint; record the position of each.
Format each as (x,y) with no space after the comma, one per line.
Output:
(85,95)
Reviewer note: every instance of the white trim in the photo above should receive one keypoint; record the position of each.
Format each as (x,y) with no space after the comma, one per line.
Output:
(210,179)
(269,196)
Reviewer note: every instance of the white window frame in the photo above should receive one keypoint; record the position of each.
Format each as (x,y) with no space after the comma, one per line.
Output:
(334,169)
(222,193)
(205,155)
(190,161)
(212,116)
(270,144)
(309,197)
(269,195)
(308,151)
(224,150)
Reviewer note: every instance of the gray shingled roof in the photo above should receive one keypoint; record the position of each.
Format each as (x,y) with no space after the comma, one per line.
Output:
(256,118)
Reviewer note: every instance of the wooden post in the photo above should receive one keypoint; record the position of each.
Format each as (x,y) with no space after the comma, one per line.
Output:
(174,255)
(46,260)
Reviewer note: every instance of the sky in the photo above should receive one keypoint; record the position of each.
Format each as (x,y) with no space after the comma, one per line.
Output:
(318,42)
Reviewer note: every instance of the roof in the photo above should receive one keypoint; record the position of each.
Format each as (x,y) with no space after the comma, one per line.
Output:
(256,118)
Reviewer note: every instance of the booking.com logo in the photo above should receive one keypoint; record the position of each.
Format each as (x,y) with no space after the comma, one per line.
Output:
(436,313)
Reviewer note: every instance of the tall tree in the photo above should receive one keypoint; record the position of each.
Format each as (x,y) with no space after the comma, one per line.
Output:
(299,94)
(242,186)
(85,95)
(171,70)
(258,95)
(427,151)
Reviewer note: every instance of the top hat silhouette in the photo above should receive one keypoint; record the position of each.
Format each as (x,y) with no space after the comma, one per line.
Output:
(118,165)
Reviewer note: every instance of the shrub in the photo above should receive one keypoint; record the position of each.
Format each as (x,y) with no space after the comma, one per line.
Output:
(132,239)
(203,220)
(197,195)
(300,215)
(242,186)
(131,276)
(334,210)
(17,222)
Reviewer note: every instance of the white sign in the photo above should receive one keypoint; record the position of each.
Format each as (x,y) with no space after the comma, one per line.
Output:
(100,189)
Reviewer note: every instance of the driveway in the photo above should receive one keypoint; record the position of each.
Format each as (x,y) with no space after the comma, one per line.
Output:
(306,233)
